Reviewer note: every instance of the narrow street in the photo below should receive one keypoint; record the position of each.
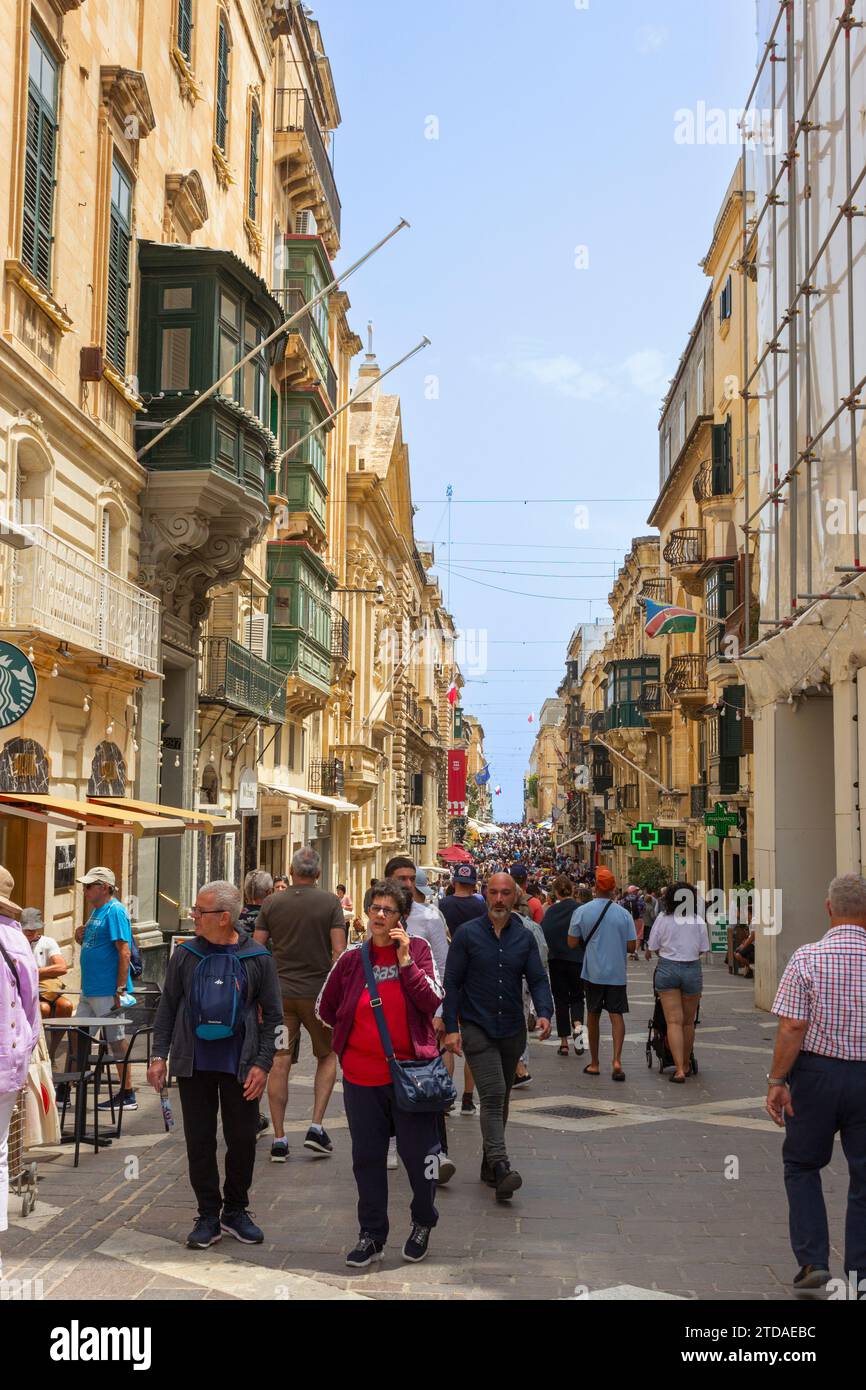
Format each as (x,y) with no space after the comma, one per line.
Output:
(625,1187)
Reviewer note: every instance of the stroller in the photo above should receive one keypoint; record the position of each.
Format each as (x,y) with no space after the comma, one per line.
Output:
(657,1040)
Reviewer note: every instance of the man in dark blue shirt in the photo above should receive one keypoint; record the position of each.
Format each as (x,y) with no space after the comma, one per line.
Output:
(487,963)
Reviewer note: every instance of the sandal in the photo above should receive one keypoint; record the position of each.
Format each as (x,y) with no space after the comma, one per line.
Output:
(562,1050)
(587,1072)
(618,1075)
(677,1080)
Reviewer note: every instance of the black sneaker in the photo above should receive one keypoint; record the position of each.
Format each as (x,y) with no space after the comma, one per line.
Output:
(487,1174)
(280,1151)
(318,1141)
(262,1124)
(468,1106)
(506,1180)
(240,1225)
(811,1279)
(205,1232)
(365,1252)
(447,1169)
(126,1100)
(415,1248)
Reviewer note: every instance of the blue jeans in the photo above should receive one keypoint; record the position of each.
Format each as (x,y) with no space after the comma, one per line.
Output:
(828,1096)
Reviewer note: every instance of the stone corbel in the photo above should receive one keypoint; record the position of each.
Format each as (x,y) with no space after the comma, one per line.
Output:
(187,80)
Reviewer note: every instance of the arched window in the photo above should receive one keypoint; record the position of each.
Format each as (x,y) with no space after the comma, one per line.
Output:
(32,485)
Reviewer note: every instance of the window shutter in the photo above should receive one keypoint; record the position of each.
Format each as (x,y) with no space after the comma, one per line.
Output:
(748,735)
(184,28)
(253,194)
(116,324)
(39,161)
(257,642)
(222,115)
(730,728)
(718,458)
(222,620)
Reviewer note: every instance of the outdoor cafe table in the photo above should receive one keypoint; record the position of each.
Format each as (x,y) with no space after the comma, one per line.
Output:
(82,1021)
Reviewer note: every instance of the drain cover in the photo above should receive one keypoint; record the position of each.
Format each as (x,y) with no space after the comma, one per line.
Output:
(570,1112)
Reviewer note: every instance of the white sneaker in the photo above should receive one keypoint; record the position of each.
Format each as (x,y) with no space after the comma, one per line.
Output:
(392,1161)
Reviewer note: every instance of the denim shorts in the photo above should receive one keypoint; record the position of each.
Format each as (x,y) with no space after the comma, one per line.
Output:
(679,974)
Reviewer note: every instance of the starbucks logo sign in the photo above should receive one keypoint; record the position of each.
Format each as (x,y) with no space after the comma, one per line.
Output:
(17,684)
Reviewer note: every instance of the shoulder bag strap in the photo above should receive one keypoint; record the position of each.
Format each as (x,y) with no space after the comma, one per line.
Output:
(376,1001)
(601,917)
(13,967)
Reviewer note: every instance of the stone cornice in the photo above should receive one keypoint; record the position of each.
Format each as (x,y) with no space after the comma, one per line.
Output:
(124,92)
(186,199)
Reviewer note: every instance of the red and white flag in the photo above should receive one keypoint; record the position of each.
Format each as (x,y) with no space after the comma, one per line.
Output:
(452,693)
(531,719)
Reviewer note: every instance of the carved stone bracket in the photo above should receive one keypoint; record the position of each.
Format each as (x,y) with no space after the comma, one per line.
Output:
(124,92)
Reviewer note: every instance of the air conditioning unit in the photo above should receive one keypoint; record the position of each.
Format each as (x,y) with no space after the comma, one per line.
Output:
(305,223)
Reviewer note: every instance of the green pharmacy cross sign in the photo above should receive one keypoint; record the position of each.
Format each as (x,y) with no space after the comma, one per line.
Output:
(644,836)
(720,820)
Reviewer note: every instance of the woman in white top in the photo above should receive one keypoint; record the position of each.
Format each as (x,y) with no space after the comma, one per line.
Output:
(679,937)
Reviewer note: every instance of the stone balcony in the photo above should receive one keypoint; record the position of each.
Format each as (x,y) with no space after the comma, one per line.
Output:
(53,589)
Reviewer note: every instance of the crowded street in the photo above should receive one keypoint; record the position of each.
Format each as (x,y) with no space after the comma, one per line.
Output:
(432,670)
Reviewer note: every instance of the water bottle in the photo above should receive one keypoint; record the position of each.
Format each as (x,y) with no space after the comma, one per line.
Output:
(168,1117)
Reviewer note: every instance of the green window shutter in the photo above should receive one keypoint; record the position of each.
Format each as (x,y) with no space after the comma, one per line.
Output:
(39,168)
(222,92)
(718,460)
(118,272)
(253,192)
(731,728)
(184,28)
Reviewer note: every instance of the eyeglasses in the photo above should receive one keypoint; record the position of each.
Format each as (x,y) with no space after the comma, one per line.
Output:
(384,912)
(206,911)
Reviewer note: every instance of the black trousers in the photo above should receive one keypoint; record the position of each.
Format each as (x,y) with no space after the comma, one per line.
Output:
(373,1117)
(567,989)
(203,1096)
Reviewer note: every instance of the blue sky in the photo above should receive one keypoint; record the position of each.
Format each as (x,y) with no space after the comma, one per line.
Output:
(555,132)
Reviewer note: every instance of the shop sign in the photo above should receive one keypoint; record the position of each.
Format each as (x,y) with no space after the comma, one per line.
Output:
(17,684)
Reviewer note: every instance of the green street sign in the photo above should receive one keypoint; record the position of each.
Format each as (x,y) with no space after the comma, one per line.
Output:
(645,837)
(720,820)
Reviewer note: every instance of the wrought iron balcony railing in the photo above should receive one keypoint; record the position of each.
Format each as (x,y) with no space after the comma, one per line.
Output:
(685,546)
(53,588)
(327,776)
(293,111)
(233,676)
(658,590)
(686,675)
(339,636)
(710,481)
(654,698)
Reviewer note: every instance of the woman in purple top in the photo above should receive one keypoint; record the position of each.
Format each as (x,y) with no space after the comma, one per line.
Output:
(19,1020)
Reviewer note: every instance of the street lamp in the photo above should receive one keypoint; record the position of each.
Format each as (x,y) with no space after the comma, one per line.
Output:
(378,591)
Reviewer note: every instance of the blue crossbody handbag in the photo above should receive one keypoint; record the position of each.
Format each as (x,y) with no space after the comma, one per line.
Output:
(422,1087)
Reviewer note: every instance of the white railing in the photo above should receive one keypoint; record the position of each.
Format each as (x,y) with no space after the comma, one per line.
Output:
(54,588)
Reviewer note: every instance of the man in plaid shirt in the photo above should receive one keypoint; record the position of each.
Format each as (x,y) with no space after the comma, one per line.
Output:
(817,1083)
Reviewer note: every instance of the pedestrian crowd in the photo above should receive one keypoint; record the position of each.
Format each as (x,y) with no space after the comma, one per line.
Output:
(514,941)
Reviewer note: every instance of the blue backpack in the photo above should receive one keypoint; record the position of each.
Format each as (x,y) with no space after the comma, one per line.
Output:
(218,986)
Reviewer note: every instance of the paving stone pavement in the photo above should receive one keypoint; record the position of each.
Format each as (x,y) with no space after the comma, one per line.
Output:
(669,1189)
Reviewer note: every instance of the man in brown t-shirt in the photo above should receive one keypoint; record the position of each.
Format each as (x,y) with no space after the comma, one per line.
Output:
(306,931)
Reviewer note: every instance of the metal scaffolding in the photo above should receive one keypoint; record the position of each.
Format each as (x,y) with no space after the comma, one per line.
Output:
(805,242)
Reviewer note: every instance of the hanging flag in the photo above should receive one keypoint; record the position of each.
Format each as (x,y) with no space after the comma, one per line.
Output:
(498,791)
(665,618)
(482,777)
(452,693)
(531,719)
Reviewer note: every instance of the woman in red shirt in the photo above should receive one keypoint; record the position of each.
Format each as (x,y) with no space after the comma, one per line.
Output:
(410,992)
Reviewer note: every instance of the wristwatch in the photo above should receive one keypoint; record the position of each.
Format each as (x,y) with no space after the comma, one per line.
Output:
(157,1059)
(777,1080)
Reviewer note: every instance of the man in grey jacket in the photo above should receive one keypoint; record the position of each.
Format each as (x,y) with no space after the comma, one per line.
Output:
(219,1074)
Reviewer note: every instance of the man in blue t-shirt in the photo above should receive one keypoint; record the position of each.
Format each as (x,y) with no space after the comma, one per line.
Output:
(106,949)
(607,934)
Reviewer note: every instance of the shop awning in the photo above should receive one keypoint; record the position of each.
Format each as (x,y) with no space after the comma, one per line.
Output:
(85,815)
(313,799)
(210,821)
